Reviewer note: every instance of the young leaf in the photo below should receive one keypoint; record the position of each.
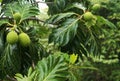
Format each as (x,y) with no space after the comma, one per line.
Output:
(18,76)
(73,58)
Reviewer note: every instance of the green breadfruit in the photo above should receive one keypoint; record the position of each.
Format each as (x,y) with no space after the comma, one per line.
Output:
(88,16)
(24,39)
(96,7)
(12,37)
(17,16)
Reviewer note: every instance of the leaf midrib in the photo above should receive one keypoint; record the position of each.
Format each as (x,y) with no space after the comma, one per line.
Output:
(45,79)
(69,26)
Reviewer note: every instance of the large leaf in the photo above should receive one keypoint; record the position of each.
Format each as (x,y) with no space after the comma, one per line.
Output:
(52,68)
(56,18)
(76,5)
(65,32)
(25,9)
(60,6)
(10,61)
(85,42)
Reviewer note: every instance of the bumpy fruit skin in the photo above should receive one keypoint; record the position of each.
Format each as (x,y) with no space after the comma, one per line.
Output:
(88,16)
(24,39)
(96,7)
(17,16)
(12,37)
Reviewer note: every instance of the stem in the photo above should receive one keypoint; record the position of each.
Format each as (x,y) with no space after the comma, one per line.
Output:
(10,24)
(20,30)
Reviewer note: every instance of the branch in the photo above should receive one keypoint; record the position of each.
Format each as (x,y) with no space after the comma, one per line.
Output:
(32,18)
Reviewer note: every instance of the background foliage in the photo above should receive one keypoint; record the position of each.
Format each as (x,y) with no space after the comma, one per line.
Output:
(64,47)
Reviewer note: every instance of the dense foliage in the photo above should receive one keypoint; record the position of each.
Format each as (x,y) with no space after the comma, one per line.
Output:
(78,42)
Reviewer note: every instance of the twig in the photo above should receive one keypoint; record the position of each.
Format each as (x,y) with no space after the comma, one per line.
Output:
(11,79)
(33,65)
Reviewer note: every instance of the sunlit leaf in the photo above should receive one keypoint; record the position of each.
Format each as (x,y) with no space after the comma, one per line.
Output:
(30,76)
(52,68)
(18,76)
(73,58)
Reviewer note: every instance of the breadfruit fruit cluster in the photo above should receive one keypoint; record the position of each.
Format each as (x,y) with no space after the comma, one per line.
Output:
(12,37)
(24,39)
(88,16)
